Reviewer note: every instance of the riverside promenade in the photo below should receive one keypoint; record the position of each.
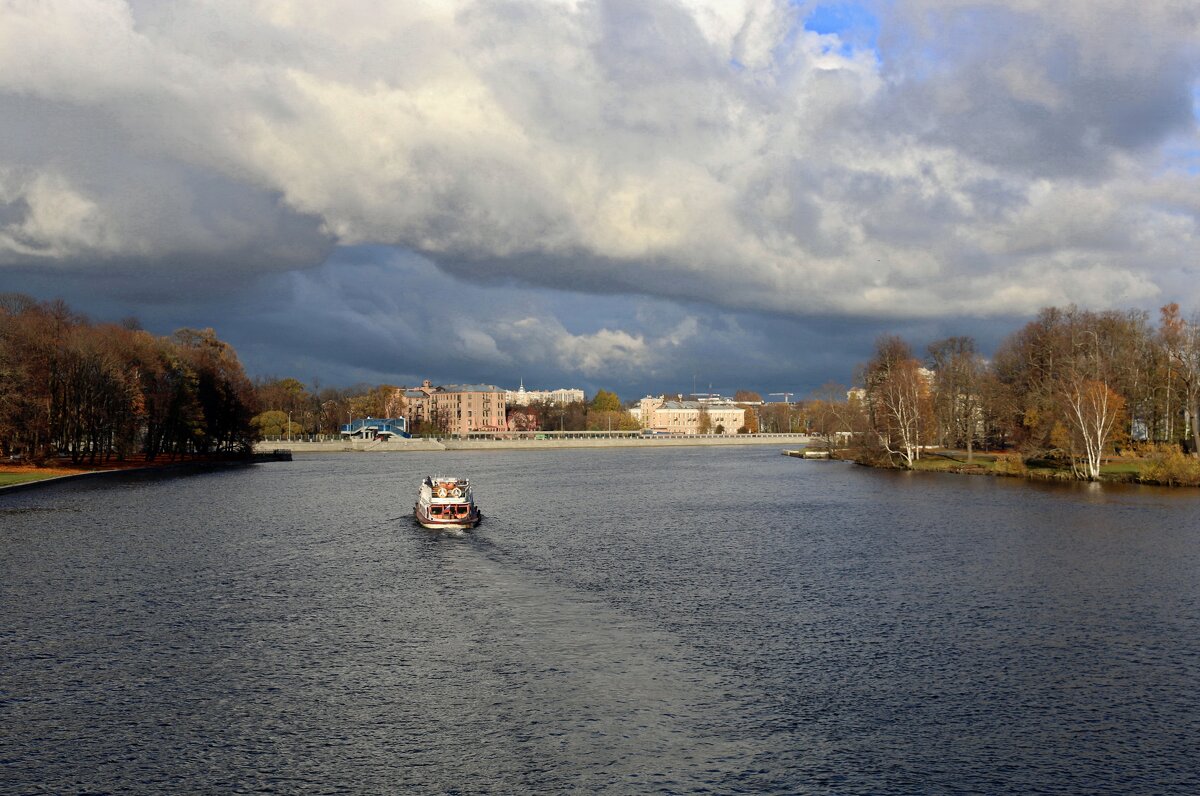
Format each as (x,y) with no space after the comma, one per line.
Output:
(540,441)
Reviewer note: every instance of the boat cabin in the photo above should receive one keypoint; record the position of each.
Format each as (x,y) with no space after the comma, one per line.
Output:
(451,511)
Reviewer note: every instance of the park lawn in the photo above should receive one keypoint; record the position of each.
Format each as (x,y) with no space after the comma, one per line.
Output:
(1122,467)
(24,473)
(940,464)
(956,461)
(8,478)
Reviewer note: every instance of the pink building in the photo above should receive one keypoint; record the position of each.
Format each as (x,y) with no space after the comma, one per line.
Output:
(461,409)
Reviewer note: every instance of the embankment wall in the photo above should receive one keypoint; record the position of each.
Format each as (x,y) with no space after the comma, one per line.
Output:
(411,445)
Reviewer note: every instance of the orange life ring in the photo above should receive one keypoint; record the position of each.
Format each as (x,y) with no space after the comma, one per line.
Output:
(456,492)
(441,491)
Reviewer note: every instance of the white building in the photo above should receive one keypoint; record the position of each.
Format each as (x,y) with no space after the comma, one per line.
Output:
(523,397)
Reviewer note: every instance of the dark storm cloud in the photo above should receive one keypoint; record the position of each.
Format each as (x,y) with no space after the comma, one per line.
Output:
(373,315)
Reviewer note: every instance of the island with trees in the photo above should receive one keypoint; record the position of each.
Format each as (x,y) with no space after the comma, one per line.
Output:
(1072,394)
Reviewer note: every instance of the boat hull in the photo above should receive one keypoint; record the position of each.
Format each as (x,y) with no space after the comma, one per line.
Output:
(426,520)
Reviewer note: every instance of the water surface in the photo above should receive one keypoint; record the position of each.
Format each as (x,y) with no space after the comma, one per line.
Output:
(667,620)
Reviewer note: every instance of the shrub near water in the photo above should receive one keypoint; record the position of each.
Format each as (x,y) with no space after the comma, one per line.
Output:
(1011,464)
(1171,466)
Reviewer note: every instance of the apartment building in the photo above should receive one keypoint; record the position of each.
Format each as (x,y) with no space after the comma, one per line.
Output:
(464,408)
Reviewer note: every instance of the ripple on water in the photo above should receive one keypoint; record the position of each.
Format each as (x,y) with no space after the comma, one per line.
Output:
(629,621)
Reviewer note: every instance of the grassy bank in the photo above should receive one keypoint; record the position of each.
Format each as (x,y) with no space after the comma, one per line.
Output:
(1164,468)
(1010,464)
(22,474)
(14,473)
(8,479)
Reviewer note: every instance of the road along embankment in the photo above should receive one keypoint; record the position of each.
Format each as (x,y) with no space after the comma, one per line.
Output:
(447,443)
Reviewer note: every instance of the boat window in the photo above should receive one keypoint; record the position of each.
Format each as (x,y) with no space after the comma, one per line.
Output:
(435,509)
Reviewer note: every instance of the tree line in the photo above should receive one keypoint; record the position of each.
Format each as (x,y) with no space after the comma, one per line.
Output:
(290,408)
(95,392)
(1070,386)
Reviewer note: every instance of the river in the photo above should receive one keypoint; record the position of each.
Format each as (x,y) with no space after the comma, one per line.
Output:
(626,621)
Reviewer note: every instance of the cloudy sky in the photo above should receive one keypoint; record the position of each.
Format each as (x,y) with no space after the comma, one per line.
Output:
(631,194)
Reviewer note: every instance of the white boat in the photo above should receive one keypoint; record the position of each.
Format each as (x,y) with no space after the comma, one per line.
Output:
(446,502)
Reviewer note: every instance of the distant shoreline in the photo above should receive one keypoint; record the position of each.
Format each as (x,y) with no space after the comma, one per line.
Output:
(452,444)
(1116,470)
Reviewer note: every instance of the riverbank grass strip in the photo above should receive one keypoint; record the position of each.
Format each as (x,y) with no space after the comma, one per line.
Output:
(24,477)
(1120,468)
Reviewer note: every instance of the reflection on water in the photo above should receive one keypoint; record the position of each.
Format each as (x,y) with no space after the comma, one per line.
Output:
(632,621)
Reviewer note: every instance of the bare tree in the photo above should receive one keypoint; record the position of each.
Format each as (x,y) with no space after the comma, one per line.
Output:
(1093,411)
(901,401)
(958,370)
(1089,406)
(830,415)
(1181,339)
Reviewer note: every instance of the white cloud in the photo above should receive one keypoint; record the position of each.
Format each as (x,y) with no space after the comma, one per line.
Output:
(603,352)
(59,222)
(697,150)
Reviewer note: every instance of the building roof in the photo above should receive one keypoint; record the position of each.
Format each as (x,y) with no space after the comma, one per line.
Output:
(697,405)
(470,388)
(522,389)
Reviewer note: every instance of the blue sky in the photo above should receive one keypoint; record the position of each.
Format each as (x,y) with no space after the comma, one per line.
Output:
(853,23)
(628,194)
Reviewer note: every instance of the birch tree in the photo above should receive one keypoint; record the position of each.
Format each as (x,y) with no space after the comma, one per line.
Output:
(1094,412)
(898,400)
(902,399)
(1089,406)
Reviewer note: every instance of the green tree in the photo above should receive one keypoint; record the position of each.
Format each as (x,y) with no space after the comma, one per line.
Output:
(382,401)
(606,401)
(620,420)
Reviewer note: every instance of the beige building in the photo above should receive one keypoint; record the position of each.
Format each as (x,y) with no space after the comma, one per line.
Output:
(464,408)
(688,417)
